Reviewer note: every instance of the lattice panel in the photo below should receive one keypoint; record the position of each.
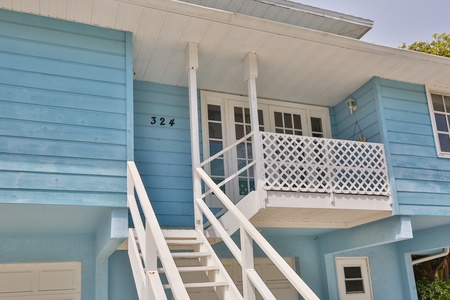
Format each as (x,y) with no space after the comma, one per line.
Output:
(307,164)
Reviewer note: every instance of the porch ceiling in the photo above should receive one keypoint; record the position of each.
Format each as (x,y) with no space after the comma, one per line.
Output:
(295,64)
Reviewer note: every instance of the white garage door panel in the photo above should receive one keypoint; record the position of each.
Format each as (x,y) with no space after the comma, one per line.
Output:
(15,281)
(40,281)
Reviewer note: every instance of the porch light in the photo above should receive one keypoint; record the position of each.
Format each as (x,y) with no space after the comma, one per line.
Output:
(351,104)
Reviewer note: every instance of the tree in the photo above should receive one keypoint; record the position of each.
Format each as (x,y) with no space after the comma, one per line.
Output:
(439,46)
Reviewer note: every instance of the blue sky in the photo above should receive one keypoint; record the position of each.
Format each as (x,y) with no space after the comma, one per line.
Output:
(395,21)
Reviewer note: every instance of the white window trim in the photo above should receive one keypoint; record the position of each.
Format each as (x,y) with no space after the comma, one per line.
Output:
(441,91)
(362,262)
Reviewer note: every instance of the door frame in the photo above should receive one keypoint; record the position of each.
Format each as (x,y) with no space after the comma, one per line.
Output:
(226,101)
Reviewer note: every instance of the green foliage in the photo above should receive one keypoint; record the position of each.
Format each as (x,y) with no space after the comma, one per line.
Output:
(433,290)
(439,46)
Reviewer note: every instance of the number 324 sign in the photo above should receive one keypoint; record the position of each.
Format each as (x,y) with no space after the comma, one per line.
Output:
(161,121)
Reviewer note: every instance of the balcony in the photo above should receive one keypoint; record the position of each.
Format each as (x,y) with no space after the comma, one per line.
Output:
(307,182)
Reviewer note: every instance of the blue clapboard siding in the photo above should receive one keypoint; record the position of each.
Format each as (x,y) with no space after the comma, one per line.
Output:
(163,152)
(344,124)
(422,179)
(63,112)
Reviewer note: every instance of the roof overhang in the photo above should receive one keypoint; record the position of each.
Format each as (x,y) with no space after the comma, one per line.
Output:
(295,64)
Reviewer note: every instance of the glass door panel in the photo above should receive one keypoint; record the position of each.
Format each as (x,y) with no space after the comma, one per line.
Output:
(245,182)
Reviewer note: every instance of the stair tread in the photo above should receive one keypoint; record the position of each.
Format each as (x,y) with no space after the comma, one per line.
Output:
(193,269)
(190,254)
(183,242)
(201,284)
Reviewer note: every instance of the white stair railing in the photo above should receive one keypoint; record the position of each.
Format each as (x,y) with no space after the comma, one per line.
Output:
(147,243)
(244,256)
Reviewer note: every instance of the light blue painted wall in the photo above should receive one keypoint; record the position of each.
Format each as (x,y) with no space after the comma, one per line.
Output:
(344,124)
(35,249)
(63,124)
(163,152)
(421,178)
(121,282)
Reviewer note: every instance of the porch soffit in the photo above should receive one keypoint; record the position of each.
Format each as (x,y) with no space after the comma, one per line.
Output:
(295,64)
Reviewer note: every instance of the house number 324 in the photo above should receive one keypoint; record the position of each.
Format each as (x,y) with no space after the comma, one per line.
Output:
(161,121)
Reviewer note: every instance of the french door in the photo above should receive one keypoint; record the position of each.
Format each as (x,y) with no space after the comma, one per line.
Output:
(226,119)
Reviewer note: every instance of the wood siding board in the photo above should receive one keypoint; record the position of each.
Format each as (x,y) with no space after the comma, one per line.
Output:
(45,147)
(427,210)
(56,115)
(424,199)
(402,150)
(52,164)
(61,99)
(408,117)
(422,162)
(61,182)
(409,127)
(412,139)
(52,131)
(56,36)
(436,176)
(61,53)
(62,197)
(33,64)
(148,144)
(62,84)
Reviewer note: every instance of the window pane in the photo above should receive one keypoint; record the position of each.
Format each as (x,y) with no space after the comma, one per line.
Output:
(438,104)
(297,122)
(288,120)
(215,147)
(247,115)
(316,124)
(354,287)
(447,103)
(241,150)
(444,141)
(441,122)
(352,272)
(278,119)
(238,116)
(319,135)
(215,130)
(260,118)
(214,113)
(217,167)
(239,131)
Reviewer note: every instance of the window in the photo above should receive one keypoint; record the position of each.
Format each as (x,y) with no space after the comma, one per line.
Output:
(439,105)
(353,278)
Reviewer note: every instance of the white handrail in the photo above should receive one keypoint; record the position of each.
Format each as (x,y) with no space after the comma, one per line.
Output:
(278,261)
(220,153)
(153,231)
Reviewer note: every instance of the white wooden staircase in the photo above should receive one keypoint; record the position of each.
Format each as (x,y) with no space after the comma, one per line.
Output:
(160,259)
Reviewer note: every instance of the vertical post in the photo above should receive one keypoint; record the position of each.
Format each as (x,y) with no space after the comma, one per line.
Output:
(151,259)
(247,264)
(251,73)
(192,66)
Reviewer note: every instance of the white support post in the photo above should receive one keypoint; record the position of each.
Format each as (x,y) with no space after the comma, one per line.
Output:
(248,288)
(251,73)
(192,66)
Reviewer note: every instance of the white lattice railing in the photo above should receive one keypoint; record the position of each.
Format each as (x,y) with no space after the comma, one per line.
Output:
(307,164)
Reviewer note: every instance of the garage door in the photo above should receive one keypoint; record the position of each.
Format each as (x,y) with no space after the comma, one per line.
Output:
(40,281)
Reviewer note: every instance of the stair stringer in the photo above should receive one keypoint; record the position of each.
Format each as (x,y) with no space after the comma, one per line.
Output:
(249,206)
